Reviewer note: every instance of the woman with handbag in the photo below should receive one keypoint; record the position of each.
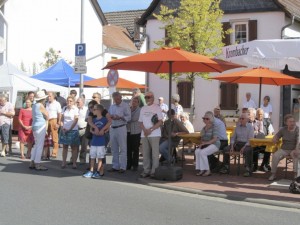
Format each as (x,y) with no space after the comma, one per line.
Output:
(210,144)
(69,134)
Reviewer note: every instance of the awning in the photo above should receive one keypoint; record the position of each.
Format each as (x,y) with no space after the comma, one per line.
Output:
(274,53)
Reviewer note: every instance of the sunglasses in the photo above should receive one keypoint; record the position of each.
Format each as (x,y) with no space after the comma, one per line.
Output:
(242,118)
(205,118)
(147,97)
(94,97)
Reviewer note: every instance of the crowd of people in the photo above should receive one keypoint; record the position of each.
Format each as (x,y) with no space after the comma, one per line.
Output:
(47,119)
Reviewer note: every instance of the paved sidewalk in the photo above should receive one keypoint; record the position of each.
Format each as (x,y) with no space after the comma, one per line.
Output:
(252,189)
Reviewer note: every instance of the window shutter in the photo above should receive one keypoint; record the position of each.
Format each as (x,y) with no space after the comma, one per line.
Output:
(226,39)
(228,96)
(252,30)
(185,93)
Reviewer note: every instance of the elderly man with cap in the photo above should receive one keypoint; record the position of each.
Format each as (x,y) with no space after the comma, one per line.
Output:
(164,108)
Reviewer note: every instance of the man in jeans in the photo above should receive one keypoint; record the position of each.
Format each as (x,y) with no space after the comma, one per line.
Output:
(240,142)
(6,113)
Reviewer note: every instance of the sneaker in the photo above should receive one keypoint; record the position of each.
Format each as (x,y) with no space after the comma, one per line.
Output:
(254,168)
(2,154)
(272,177)
(265,168)
(144,175)
(88,174)
(247,174)
(268,167)
(96,175)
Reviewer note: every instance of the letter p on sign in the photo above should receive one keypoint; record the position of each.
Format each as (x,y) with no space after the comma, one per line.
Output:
(80,50)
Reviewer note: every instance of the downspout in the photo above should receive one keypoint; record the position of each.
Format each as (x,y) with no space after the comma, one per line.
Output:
(288,25)
(147,74)
(6,38)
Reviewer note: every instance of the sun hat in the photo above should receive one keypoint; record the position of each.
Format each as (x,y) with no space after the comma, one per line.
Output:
(40,95)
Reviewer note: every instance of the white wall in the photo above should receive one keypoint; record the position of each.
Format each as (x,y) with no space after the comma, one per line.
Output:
(37,25)
(266,21)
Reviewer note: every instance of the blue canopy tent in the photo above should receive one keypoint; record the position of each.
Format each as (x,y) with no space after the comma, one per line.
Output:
(61,73)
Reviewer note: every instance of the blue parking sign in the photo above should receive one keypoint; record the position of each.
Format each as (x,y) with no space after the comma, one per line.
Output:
(79,49)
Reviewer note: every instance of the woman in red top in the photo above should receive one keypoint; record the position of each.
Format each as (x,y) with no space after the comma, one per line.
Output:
(25,129)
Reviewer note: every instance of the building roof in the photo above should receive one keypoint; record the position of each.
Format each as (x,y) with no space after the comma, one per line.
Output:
(124,19)
(99,12)
(292,7)
(229,7)
(117,37)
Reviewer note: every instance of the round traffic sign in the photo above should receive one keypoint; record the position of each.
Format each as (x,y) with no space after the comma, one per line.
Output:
(112,77)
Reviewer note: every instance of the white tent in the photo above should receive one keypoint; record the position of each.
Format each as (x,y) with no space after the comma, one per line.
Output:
(12,80)
(274,53)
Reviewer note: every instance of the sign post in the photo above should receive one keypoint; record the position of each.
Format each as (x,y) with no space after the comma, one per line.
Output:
(112,80)
(80,63)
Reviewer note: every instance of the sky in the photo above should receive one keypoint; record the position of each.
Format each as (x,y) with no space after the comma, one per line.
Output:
(123,5)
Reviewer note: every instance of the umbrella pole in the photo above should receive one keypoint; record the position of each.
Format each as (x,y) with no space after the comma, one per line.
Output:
(260,81)
(169,113)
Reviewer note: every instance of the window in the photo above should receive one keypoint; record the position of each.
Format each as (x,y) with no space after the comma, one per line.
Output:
(243,31)
(185,93)
(228,100)
(240,33)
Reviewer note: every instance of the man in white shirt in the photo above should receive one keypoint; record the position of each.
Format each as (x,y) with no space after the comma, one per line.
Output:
(7,111)
(249,103)
(164,108)
(81,128)
(150,122)
(54,110)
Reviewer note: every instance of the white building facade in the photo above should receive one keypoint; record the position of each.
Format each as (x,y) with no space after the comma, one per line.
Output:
(207,93)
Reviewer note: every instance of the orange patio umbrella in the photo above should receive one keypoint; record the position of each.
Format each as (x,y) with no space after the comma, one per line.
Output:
(122,83)
(170,60)
(260,75)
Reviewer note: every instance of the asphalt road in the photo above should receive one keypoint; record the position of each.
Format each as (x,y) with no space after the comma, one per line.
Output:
(63,197)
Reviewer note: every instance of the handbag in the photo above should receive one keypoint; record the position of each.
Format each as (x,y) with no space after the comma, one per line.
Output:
(154,119)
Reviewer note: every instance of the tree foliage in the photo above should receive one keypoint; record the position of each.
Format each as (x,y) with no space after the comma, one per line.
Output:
(195,27)
(50,58)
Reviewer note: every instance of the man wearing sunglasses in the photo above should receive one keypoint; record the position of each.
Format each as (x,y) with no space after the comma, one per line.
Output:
(240,142)
(150,122)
